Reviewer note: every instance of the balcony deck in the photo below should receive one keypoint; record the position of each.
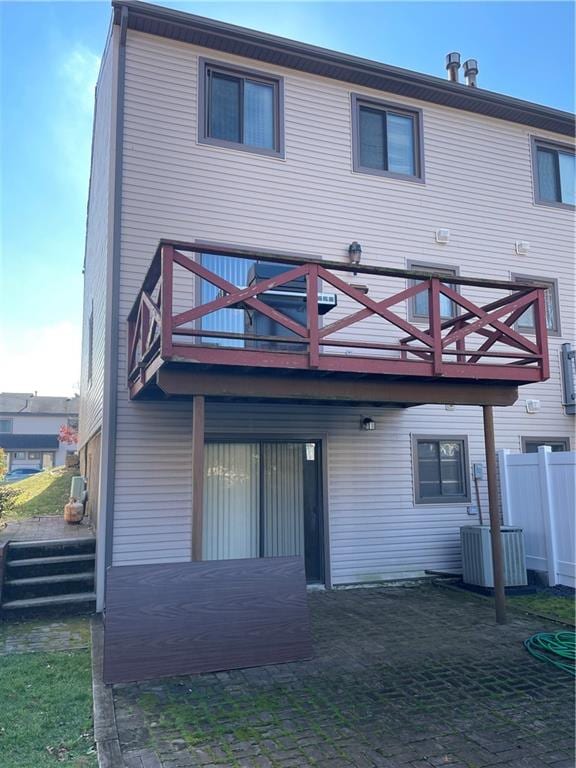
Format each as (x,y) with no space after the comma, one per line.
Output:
(367,341)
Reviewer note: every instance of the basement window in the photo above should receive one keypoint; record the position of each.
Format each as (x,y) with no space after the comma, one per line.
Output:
(440,470)
(387,139)
(554,173)
(240,109)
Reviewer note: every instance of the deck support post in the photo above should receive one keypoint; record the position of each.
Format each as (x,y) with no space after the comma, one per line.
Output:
(197,475)
(495,531)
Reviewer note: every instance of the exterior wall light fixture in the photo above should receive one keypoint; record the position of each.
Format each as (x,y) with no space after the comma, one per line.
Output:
(355,252)
(367,424)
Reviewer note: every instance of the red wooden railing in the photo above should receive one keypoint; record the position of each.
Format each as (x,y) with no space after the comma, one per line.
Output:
(480,342)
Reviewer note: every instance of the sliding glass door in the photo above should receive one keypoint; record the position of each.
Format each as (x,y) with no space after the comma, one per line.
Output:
(262,499)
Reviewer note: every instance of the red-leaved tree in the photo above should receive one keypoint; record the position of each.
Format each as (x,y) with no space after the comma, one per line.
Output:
(68,435)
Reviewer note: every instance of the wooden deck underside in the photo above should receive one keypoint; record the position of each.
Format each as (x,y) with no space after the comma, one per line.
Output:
(173,380)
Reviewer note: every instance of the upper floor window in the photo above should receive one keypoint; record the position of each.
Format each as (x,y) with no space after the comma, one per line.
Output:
(526,323)
(387,139)
(418,307)
(240,109)
(554,173)
(6,426)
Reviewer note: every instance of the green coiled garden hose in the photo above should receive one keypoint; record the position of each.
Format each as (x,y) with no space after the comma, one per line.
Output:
(558,648)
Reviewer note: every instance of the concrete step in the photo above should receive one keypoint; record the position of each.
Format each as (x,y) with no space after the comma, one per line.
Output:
(49,566)
(50,601)
(42,586)
(26,550)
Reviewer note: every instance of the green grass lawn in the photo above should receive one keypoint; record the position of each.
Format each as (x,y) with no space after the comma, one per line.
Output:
(46,710)
(43,494)
(545,604)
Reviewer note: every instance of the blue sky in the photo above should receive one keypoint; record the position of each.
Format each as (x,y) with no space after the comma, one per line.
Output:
(49,63)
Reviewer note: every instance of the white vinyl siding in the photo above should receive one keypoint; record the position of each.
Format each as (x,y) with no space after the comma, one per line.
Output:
(478,185)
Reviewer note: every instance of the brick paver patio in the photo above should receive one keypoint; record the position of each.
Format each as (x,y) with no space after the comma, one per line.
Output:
(26,636)
(45,528)
(402,677)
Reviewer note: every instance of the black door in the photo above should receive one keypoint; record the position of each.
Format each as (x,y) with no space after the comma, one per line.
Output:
(313,517)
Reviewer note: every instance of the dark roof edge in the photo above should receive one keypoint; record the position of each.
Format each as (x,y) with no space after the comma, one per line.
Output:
(218,35)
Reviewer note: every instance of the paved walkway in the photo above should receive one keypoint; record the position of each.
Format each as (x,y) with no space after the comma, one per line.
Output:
(402,678)
(26,636)
(44,528)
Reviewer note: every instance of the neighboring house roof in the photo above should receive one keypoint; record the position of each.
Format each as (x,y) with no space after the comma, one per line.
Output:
(29,442)
(217,35)
(28,403)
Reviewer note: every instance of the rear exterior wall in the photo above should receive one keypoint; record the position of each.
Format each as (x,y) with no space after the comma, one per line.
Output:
(478,184)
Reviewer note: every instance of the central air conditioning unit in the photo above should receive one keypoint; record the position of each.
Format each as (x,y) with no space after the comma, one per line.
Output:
(477,556)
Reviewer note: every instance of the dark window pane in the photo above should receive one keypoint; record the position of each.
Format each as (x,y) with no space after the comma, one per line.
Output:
(533,445)
(225,108)
(428,470)
(372,138)
(567,163)
(259,115)
(400,133)
(547,181)
(430,490)
(427,450)
(441,469)
(451,468)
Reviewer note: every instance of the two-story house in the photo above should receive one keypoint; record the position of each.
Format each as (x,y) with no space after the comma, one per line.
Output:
(30,428)
(315,288)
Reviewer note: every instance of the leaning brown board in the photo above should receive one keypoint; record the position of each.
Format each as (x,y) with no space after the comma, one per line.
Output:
(185,618)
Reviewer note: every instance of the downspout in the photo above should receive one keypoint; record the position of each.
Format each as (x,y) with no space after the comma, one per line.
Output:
(108,468)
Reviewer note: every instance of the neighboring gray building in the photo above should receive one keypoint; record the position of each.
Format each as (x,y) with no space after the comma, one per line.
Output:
(224,138)
(30,425)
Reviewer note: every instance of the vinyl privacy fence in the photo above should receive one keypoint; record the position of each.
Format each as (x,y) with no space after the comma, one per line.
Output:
(539,495)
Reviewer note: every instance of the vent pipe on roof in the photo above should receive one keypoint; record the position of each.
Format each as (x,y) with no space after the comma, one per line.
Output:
(470,72)
(453,65)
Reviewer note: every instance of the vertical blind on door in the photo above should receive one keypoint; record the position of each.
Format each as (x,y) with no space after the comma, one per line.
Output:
(253,500)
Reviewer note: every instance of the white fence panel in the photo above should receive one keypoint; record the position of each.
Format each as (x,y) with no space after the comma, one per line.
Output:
(539,495)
